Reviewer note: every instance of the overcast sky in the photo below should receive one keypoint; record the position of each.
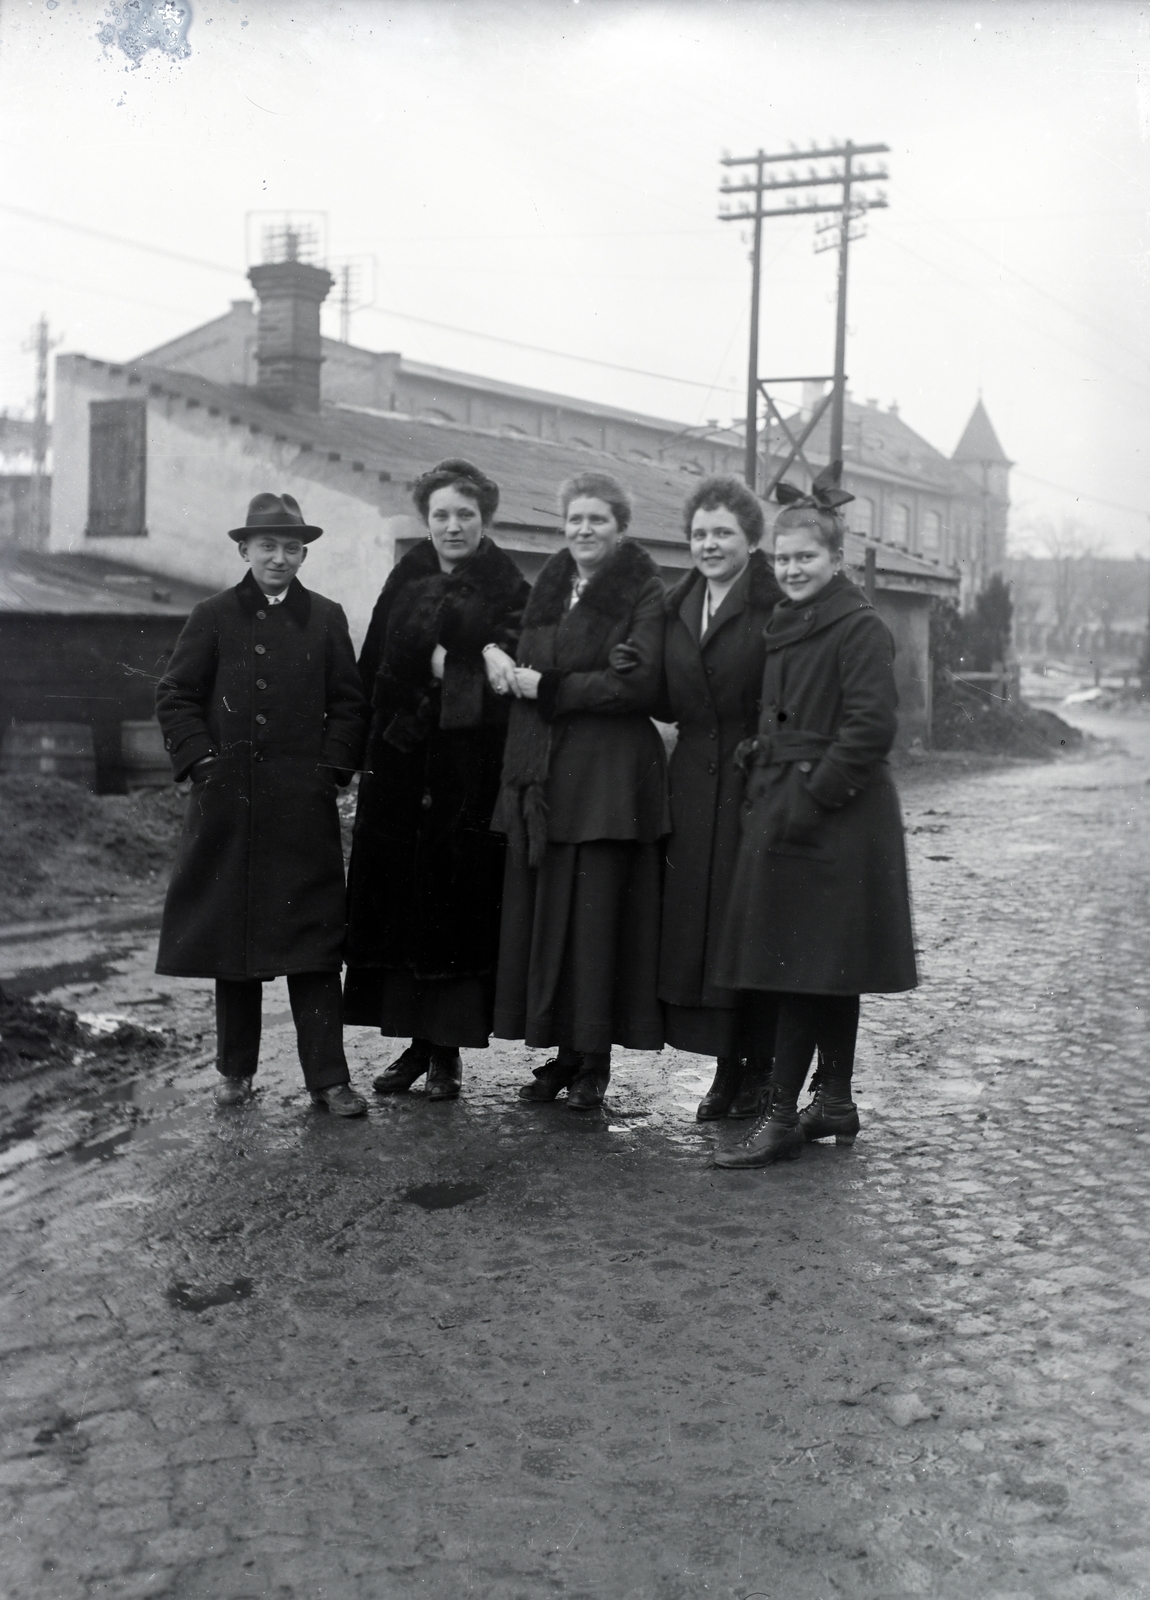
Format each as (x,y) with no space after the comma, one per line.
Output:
(544,173)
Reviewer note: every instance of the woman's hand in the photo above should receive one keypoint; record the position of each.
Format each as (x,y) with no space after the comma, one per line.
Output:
(624,658)
(501,671)
(528,680)
(438,660)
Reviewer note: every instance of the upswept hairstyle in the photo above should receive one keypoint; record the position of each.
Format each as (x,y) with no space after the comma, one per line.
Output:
(728,494)
(828,526)
(455,473)
(598,486)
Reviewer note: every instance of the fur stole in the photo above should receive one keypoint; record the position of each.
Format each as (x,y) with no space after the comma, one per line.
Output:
(559,638)
(480,602)
(763,592)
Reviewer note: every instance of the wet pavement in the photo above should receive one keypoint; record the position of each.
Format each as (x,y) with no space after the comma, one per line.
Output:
(500,1350)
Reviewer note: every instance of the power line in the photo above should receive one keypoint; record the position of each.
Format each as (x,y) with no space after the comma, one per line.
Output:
(1080,494)
(544,350)
(115,238)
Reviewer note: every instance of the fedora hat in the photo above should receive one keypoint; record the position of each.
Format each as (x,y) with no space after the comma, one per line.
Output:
(275,513)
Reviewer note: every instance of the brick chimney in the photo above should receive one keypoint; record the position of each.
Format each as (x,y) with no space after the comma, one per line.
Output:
(288,350)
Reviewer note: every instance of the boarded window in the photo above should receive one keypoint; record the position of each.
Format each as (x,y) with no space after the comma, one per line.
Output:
(117,460)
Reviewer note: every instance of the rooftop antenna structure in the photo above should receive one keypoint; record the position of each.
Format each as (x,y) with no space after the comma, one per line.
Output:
(357,277)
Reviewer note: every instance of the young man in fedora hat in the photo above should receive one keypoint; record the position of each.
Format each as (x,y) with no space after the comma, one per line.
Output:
(261,706)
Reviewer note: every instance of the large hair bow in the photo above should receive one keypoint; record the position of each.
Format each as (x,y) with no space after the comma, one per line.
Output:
(825,495)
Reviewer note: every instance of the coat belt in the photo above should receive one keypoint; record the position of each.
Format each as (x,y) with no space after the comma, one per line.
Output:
(775,749)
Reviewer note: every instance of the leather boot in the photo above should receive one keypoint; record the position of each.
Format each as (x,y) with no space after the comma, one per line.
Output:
(403,1071)
(831,1114)
(444,1075)
(719,1097)
(754,1096)
(552,1076)
(590,1083)
(776,1136)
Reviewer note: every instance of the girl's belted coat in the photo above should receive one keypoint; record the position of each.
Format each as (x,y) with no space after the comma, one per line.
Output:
(820,901)
(426,874)
(272,692)
(712,690)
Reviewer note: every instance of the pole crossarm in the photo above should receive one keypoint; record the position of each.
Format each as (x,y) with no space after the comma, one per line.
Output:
(803,183)
(800,211)
(795,156)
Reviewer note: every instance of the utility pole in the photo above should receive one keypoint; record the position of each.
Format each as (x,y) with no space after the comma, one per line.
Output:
(345,303)
(846,177)
(40,345)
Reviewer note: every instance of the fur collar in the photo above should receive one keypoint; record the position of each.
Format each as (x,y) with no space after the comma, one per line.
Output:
(297,601)
(763,591)
(612,592)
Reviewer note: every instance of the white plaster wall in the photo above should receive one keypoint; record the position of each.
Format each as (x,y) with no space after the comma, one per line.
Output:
(201,474)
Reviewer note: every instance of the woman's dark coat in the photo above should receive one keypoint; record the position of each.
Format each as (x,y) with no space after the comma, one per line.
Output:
(426,872)
(712,692)
(257,888)
(820,903)
(604,763)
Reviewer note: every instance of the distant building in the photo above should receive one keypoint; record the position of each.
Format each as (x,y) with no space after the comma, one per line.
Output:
(24,495)
(155,459)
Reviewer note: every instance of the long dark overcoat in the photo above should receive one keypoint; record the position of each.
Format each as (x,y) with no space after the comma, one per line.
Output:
(820,902)
(426,874)
(712,693)
(603,764)
(257,888)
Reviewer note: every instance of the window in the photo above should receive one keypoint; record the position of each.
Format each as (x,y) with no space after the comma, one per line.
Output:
(861,516)
(931,534)
(899,525)
(117,459)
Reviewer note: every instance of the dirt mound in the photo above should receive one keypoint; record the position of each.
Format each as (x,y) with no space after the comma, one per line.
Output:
(62,848)
(35,1036)
(964,719)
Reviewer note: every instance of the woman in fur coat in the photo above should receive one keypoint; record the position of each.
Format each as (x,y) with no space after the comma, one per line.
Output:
(426,873)
(713,670)
(584,805)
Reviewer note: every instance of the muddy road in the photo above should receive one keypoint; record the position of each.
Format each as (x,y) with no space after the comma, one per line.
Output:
(500,1350)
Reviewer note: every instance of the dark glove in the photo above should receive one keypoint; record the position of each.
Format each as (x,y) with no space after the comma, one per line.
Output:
(199,770)
(624,658)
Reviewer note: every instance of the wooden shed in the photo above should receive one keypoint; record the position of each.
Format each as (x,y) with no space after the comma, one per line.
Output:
(83,641)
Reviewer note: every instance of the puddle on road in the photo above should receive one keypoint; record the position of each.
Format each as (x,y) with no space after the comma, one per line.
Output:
(190,1297)
(162,1119)
(39,980)
(439,1196)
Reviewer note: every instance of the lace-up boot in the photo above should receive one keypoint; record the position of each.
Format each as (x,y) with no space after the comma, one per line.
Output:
(717,1100)
(832,1113)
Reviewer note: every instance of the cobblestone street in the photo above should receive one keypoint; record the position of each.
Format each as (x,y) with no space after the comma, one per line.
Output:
(495,1350)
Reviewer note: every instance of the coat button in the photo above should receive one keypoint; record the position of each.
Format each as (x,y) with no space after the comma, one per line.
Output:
(807,615)
(261,719)
(711,768)
(426,801)
(804,766)
(167,744)
(257,755)
(782,716)
(261,683)
(262,615)
(714,733)
(261,649)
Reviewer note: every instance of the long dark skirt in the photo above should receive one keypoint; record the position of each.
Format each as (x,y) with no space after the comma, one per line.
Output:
(579,948)
(451,1012)
(705,1030)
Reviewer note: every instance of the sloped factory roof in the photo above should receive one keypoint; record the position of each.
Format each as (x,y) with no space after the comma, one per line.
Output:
(36,584)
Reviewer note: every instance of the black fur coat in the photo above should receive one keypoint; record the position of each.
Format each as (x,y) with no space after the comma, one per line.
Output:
(583,761)
(425,879)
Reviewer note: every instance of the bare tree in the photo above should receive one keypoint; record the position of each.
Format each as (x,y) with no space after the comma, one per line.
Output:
(1072,550)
